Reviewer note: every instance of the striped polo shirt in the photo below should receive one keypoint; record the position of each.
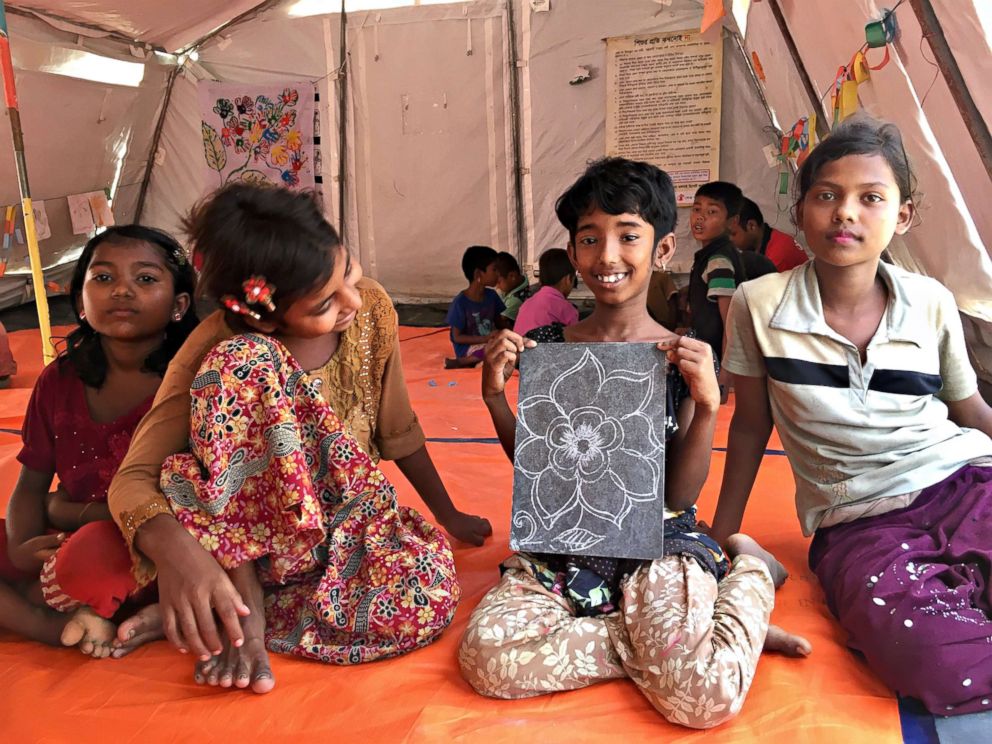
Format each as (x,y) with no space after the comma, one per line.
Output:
(856,433)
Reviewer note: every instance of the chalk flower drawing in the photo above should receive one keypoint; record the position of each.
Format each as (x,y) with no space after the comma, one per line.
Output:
(608,462)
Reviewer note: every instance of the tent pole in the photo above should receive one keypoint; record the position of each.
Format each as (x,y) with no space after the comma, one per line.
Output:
(973,119)
(37,275)
(814,98)
(515,125)
(342,81)
(756,84)
(159,126)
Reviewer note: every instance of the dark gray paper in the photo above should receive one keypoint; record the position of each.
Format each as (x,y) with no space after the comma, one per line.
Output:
(589,465)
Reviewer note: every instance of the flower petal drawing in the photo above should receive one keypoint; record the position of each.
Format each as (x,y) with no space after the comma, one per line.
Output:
(535,412)
(532,457)
(606,499)
(569,393)
(549,479)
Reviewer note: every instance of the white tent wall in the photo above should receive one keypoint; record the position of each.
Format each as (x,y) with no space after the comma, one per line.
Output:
(171,24)
(430,157)
(79,136)
(569,122)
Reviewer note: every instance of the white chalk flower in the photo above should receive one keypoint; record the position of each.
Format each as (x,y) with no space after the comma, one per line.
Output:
(606,462)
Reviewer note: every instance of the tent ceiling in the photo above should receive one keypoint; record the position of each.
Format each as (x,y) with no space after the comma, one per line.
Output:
(172,24)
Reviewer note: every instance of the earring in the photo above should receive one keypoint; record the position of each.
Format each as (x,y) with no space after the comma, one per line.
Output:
(177,317)
(82,315)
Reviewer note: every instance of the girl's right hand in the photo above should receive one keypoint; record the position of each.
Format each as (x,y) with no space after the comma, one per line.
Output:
(31,554)
(502,352)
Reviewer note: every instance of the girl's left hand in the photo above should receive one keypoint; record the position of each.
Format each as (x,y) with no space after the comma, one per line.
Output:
(694,358)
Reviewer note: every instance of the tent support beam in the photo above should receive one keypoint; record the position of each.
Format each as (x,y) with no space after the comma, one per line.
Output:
(156,138)
(972,117)
(342,82)
(755,83)
(822,130)
(515,127)
(248,14)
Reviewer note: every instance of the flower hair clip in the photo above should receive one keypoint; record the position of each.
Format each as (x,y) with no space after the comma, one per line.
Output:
(259,292)
(238,307)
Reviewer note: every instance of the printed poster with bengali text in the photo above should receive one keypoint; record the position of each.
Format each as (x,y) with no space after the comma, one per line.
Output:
(663,96)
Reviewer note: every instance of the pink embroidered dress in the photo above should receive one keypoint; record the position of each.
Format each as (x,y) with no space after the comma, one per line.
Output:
(273,477)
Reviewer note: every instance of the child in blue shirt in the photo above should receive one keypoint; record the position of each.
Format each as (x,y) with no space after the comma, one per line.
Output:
(475,311)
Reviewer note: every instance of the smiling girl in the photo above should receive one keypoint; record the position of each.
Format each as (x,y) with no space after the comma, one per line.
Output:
(862,368)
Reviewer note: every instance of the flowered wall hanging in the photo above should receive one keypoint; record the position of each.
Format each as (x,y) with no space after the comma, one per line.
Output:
(258,133)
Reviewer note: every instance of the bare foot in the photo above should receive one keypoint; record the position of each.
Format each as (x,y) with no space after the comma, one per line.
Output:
(89,632)
(741,544)
(781,641)
(238,667)
(142,627)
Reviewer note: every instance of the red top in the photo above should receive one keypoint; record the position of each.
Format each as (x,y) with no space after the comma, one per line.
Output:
(784,251)
(61,437)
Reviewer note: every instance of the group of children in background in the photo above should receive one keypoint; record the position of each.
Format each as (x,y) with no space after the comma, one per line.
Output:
(249,495)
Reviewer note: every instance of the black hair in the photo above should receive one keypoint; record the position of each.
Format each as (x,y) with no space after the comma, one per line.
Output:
(860,134)
(477,258)
(728,194)
(620,186)
(83,348)
(553,266)
(506,264)
(247,230)
(748,212)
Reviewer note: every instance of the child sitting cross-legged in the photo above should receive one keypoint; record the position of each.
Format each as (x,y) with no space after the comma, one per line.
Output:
(689,627)
(477,310)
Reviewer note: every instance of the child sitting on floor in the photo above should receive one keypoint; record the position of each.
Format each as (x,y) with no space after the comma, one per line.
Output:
(752,235)
(475,312)
(550,303)
(863,370)
(132,292)
(297,390)
(687,628)
(512,286)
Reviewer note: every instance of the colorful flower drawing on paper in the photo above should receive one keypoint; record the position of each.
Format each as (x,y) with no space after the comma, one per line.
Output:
(575,441)
(260,136)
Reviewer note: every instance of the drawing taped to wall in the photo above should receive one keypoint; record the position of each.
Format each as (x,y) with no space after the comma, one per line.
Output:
(589,465)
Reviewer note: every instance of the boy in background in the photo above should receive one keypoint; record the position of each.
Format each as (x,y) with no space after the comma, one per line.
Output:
(550,303)
(716,267)
(750,233)
(475,311)
(512,285)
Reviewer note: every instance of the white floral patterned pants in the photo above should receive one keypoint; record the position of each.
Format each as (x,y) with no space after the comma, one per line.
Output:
(690,645)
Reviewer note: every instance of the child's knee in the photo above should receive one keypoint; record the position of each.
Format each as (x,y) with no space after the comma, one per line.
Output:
(93,567)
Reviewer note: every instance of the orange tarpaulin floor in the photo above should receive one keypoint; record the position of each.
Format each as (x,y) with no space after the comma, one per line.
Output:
(55,695)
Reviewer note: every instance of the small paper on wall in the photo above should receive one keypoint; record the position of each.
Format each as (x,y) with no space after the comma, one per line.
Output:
(100,207)
(81,214)
(41,227)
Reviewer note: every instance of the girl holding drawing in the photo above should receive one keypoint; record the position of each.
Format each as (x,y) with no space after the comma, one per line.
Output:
(689,627)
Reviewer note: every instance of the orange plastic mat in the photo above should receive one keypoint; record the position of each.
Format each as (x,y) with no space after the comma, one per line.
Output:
(53,695)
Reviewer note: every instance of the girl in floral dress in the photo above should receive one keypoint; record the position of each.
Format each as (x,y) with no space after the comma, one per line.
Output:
(687,628)
(275,486)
